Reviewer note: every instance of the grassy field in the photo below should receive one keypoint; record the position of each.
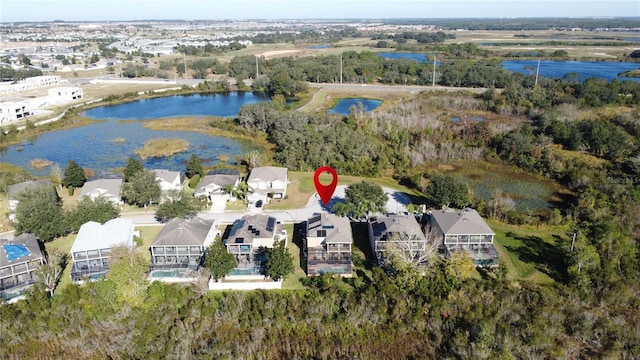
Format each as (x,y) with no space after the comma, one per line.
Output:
(531,254)
(294,245)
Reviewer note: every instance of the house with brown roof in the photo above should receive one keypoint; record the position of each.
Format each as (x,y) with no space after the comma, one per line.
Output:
(327,245)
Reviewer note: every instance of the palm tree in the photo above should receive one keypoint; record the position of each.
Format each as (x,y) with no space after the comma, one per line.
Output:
(240,191)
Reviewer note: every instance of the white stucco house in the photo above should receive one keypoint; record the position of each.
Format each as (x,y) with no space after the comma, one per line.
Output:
(106,188)
(265,183)
(91,250)
(169,180)
(213,185)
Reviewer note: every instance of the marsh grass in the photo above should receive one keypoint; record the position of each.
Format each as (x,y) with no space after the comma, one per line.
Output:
(118,140)
(40,163)
(163,147)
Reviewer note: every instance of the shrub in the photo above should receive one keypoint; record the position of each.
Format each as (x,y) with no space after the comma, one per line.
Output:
(194,181)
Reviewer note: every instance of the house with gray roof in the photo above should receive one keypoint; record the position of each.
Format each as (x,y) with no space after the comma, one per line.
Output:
(91,250)
(15,189)
(327,245)
(397,232)
(106,188)
(176,253)
(248,240)
(269,182)
(169,180)
(213,185)
(19,259)
(465,230)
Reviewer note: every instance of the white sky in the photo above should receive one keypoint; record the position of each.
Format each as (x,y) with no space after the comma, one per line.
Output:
(114,10)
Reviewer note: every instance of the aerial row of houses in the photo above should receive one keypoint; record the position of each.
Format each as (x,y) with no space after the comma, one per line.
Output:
(177,253)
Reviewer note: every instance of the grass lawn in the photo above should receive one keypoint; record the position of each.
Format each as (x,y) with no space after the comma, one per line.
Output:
(148,234)
(63,245)
(531,254)
(294,245)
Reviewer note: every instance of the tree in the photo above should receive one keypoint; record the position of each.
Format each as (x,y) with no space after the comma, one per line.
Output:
(143,189)
(279,261)
(362,199)
(73,175)
(99,210)
(405,247)
(133,167)
(49,273)
(39,211)
(444,190)
(218,260)
(56,176)
(179,206)
(128,271)
(459,266)
(194,166)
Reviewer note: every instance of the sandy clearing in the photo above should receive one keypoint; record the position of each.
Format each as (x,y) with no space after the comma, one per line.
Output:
(270,54)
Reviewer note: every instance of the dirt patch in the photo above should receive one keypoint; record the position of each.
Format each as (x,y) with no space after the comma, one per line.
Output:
(275,53)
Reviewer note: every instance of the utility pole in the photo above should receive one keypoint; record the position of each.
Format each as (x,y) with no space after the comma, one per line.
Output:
(433,84)
(257,68)
(537,71)
(184,57)
(340,69)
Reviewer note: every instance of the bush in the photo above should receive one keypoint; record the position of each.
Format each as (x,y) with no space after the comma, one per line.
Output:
(194,181)
(71,190)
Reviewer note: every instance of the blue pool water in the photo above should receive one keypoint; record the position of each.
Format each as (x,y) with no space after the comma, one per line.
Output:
(15,252)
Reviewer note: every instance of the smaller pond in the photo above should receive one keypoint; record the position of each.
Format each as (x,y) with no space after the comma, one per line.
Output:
(422,58)
(344,105)
(318,47)
(472,118)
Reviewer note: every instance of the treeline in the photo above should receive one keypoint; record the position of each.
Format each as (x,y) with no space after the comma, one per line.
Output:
(521,24)
(306,141)
(379,316)
(7,73)
(421,37)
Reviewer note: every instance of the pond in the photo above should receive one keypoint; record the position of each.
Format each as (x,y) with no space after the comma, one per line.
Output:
(584,69)
(344,105)
(106,145)
(608,70)
(404,55)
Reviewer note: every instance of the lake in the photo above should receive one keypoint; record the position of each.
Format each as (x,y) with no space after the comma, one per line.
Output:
(344,105)
(585,69)
(225,105)
(106,145)
(548,68)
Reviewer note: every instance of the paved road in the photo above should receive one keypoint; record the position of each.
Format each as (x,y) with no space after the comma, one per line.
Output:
(397,202)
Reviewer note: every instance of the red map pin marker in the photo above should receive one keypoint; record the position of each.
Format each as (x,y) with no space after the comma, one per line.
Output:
(325,191)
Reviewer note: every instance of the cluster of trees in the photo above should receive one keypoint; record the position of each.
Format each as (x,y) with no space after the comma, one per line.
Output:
(307,141)
(373,315)
(40,212)
(7,73)
(422,38)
